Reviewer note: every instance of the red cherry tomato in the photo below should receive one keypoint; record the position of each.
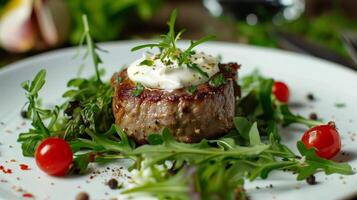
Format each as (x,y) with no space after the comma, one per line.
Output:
(325,139)
(281,91)
(54,156)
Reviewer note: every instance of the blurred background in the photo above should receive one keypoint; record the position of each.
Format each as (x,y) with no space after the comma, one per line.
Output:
(323,28)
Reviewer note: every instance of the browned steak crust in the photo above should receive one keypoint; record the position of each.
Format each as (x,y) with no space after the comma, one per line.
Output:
(208,113)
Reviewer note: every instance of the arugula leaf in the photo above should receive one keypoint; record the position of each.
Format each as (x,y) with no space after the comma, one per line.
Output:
(254,137)
(37,82)
(80,163)
(170,149)
(122,146)
(314,162)
(265,97)
(173,188)
(289,118)
(243,126)
(29,141)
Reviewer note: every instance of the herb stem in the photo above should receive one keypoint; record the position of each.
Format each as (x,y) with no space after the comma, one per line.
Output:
(91,48)
(307,122)
(157,188)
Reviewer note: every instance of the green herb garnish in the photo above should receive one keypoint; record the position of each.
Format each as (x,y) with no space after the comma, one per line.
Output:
(217,80)
(147,62)
(192,89)
(40,130)
(194,67)
(138,90)
(91,47)
(118,79)
(185,55)
(168,47)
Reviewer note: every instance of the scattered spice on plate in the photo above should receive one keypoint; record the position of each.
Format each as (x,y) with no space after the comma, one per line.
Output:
(310,97)
(311,180)
(24,114)
(8,131)
(313,116)
(113,184)
(4,170)
(340,105)
(82,196)
(17,188)
(24,167)
(27,195)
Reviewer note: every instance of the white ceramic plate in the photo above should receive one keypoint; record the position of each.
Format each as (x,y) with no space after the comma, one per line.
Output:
(330,83)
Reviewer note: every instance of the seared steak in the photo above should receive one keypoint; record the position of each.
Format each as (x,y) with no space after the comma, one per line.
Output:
(208,113)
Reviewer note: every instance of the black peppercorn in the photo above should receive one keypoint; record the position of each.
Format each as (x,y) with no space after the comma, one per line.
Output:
(311,180)
(313,116)
(82,196)
(310,97)
(113,183)
(24,114)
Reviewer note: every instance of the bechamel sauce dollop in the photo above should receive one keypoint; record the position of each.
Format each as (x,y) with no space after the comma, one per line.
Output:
(168,75)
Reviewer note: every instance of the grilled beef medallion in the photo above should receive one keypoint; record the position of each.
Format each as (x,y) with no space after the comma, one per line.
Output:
(207,112)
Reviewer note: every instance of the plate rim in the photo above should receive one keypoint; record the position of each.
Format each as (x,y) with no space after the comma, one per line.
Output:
(55,52)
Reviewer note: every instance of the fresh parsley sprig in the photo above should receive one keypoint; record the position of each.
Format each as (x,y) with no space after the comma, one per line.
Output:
(168,46)
(40,130)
